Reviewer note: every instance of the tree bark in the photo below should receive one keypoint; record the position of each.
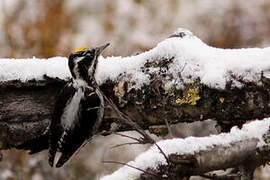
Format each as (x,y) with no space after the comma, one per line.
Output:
(238,154)
(25,109)
(177,159)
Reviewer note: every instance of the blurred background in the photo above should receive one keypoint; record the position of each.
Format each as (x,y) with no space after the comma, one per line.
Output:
(53,28)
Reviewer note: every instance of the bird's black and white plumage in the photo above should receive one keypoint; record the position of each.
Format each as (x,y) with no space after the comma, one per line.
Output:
(78,109)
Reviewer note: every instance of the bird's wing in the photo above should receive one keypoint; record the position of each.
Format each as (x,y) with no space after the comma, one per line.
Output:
(100,112)
(56,130)
(93,106)
(82,131)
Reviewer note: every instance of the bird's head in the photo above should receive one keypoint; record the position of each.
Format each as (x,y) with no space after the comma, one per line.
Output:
(82,62)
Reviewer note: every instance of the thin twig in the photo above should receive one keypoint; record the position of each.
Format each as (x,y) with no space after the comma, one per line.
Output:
(130,143)
(127,136)
(125,164)
(126,119)
(83,145)
(162,152)
(169,128)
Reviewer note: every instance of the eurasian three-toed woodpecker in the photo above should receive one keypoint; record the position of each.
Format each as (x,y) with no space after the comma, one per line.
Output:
(79,107)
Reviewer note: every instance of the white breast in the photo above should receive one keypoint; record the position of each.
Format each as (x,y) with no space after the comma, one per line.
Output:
(71,111)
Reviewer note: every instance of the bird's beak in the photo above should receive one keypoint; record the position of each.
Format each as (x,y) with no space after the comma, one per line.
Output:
(101,48)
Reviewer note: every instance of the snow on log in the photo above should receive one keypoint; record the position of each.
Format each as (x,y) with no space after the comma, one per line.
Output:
(198,155)
(182,79)
(33,69)
(179,59)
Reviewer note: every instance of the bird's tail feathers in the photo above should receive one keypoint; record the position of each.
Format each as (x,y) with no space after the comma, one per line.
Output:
(63,159)
(65,156)
(51,156)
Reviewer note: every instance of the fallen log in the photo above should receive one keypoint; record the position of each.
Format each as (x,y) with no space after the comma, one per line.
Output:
(243,149)
(180,80)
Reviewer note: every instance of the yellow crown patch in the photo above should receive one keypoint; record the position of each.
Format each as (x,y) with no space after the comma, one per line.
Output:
(82,48)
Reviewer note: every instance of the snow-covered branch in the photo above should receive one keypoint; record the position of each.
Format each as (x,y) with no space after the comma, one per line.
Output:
(198,155)
(181,80)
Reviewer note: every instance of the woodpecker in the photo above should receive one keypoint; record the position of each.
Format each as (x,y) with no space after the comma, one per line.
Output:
(79,108)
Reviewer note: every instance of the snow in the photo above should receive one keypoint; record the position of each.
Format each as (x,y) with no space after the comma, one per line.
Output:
(152,157)
(6,174)
(192,58)
(33,69)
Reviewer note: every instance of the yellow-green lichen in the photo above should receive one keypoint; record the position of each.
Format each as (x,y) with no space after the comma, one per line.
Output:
(119,89)
(191,96)
(221,100)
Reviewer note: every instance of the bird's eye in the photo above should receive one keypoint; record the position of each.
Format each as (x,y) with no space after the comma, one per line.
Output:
(88,53)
